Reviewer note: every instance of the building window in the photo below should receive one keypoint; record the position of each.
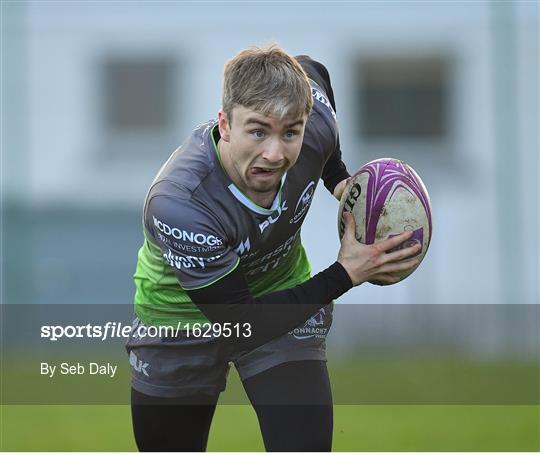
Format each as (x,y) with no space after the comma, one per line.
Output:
(139,105)
(403,98)
(138,93)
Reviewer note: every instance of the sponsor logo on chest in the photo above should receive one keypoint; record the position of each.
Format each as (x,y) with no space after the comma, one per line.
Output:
(273,218)
(304,202)
(243,247)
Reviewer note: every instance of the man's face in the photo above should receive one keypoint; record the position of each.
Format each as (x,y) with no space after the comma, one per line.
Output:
(260,148)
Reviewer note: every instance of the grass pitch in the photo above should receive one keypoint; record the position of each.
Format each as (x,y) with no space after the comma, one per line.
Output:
(356,427)
(235,428)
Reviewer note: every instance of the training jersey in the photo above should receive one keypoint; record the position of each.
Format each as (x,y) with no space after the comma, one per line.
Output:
(199,226)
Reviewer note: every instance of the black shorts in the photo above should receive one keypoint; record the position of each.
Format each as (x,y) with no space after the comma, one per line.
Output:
(182,366)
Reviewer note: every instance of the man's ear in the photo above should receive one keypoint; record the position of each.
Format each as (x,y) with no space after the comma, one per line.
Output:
(224,127)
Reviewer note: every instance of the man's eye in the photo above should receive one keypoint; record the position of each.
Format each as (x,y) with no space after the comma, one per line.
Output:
(290,134)
(258,133)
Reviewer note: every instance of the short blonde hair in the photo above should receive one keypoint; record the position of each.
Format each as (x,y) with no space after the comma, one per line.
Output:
(267,80)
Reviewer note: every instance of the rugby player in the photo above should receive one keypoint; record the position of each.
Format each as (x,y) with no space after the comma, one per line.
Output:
(222,247)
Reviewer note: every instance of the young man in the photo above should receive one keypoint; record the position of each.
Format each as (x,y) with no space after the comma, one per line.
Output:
(222,246)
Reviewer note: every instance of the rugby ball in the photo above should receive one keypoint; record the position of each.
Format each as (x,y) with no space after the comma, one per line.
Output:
(387,197)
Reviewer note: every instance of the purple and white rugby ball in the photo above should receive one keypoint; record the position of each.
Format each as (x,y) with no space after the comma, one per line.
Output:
(387,197)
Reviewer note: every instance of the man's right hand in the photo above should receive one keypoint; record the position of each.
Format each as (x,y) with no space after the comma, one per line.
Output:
(372,262)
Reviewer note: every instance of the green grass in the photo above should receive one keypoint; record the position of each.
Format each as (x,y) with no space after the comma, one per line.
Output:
(356,427)
(235,428)
(437,428)
(374,379)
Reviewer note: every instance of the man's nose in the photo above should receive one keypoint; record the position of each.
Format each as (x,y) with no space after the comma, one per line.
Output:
(273,151)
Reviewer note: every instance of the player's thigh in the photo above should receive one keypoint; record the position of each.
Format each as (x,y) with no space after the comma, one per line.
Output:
(176,381)
(291,383)
(293,402)
(171,424)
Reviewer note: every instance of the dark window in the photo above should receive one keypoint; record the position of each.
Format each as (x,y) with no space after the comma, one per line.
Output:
(138,94)
(403,98)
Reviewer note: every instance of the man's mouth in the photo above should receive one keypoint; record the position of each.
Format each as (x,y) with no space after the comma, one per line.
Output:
(264,171)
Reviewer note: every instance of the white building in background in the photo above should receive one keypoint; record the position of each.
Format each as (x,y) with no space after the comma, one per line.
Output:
(87,135)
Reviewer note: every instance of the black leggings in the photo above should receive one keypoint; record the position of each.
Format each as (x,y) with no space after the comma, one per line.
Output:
(293,402)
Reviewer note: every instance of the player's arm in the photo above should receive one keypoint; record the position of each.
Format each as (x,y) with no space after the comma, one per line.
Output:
(335,171)
(335,174)
(207,267)
(229,300)
(217,285)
